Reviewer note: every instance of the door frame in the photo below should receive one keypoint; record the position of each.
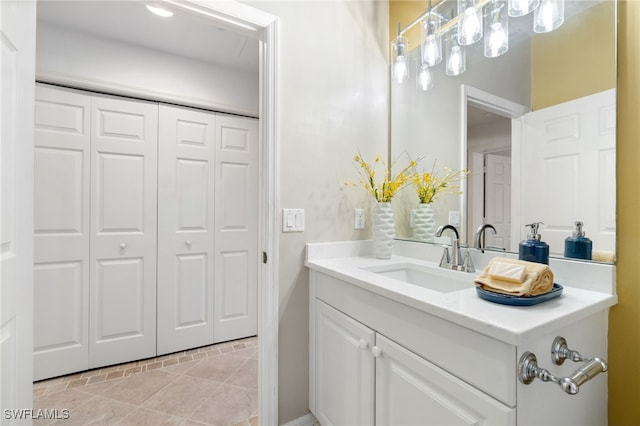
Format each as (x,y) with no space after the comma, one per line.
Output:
(481,99)
(264,27)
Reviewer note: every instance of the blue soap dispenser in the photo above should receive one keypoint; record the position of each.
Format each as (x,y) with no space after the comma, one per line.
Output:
(532,249)
(578,246)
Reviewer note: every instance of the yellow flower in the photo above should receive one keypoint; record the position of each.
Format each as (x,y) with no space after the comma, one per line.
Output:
(390,185)
(429,185)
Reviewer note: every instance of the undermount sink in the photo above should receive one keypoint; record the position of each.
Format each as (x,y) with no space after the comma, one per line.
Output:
(435,279)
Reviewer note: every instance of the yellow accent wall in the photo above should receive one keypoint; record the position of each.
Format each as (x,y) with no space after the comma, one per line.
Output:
(576,59)
(624,325)
(624,320)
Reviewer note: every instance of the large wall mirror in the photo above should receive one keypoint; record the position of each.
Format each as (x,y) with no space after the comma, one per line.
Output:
(535,127)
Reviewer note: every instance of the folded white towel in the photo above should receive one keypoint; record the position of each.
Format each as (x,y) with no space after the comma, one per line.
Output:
(507,272)
(538,279)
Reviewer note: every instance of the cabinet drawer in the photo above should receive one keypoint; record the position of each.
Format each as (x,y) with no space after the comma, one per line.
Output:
(486,363)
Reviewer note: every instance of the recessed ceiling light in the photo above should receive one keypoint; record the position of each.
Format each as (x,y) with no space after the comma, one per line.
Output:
(160,11)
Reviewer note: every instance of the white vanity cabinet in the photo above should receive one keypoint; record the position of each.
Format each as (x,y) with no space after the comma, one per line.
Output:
(375,359)
(345,367)
(361,377)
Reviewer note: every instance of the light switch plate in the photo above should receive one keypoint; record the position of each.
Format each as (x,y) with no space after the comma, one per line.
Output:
(359,219)
(292,220)
(454,218)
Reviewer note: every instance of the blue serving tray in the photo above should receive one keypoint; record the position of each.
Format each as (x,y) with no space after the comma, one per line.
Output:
(506,299)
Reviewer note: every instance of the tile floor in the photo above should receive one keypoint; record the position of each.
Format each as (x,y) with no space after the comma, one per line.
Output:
(212,385)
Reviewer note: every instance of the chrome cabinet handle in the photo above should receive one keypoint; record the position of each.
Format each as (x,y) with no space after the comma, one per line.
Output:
(376,351)
(123,246)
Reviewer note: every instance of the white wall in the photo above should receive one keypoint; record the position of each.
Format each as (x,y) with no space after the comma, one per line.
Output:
(332,101)
(491,136)
(63,55)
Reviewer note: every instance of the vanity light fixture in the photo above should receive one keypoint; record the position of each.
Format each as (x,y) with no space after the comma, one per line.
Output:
(466,27)
(425,78)
(522,7)
(431,39)
(470,25)
(159,10)
(456,56)
(496,40)
(400,65)
(548,16)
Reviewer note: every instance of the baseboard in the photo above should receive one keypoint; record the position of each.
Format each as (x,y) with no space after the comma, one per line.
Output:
(306,420)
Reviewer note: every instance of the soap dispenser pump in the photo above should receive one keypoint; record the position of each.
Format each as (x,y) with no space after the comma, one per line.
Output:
(533,249)
(578,246)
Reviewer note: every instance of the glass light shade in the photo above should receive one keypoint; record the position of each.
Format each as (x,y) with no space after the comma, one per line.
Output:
(431,40)
(400,67)
(496,28)
(425,78)
(456,56)
(522,7)
(548,16)
(470,25)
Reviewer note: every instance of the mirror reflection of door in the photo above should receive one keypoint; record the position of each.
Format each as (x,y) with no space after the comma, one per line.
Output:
(489,184)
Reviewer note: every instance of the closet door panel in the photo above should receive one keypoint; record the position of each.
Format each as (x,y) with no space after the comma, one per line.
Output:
(124,230)
(185,224)
(61,231)
(236,219)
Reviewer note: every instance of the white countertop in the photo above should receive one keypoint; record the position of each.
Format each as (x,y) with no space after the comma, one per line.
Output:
(509,324)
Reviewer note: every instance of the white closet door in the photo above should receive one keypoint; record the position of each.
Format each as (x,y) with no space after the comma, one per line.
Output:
(185,228)
(236,228)
(124,228)
(61,231)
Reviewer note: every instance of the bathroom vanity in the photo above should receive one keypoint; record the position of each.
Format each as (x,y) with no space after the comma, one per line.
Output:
(404,342)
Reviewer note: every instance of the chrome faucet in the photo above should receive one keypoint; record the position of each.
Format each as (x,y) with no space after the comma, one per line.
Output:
(456,260)
(480,233)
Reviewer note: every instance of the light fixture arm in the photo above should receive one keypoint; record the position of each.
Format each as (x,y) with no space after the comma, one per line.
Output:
(447,25)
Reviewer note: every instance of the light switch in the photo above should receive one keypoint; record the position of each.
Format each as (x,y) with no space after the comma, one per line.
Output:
(359,219)
(292,220)
(454,218)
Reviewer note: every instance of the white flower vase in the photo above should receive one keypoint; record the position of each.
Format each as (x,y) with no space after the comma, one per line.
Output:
(424,224)
(384,231)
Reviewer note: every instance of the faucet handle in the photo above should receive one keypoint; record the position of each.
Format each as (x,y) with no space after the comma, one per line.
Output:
(445,260)
(468,263)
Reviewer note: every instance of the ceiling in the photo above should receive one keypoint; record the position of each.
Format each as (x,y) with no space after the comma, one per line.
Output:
(183,34)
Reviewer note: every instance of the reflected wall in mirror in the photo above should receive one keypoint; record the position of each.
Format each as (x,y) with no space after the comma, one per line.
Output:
(535,127)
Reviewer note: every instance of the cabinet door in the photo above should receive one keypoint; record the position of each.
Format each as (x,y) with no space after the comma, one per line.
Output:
(344,369)
(236,228)
(61,232)
(185,228)
(123,230)
(413,391)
